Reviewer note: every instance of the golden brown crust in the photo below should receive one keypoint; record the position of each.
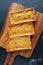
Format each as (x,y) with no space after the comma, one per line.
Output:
(18,43)
(21,30)
(22,16)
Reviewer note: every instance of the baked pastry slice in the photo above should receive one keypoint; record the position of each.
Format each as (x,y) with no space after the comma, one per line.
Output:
(21,16)
(21,30)
(18,43)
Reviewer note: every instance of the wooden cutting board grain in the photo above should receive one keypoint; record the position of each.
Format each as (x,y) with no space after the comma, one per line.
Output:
(37,27)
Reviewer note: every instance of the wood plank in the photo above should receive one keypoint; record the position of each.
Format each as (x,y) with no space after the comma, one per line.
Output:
(38,30)
(7,58)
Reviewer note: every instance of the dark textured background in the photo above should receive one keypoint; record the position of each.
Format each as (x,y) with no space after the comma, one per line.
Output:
(38,52)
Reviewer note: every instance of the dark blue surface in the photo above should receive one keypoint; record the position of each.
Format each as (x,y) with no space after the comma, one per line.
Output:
(38,52)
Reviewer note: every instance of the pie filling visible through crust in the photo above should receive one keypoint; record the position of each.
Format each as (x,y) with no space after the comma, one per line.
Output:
(21,30)
(18,43)
(21,16)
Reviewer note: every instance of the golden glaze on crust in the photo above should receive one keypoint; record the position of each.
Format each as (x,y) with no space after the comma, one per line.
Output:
(18,43)
(21,16)
(21,30)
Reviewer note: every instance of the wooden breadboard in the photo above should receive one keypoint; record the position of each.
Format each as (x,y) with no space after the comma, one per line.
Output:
(37,27)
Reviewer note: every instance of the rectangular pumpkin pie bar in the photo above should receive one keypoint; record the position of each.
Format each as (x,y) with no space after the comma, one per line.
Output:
(21,30)
(18,43)
(21,16)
